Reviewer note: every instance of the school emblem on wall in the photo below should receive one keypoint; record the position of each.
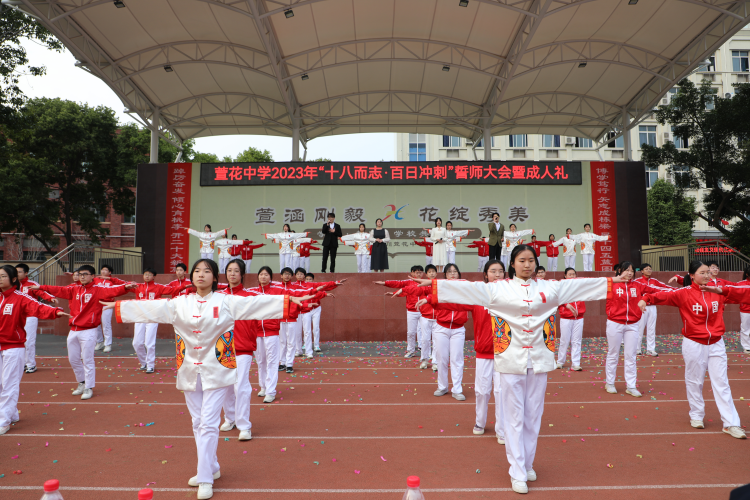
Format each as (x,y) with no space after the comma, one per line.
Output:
(501,334)
(180,348)
(550,333)
(225,350)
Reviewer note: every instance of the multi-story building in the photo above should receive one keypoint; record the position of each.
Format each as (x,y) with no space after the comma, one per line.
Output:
(728,66)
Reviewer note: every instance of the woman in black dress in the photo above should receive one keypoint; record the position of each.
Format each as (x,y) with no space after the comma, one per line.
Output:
(379,238)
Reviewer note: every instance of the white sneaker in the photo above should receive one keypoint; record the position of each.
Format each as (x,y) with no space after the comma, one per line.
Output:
(576,368)
(205,491)
(747,351)
(519,486)
(107,348)
(610,389)
(87,394)
(531,475)
(261,393)
(434,367)
(639,353)
(458,396)
(698,424)
(424,364)
(99,346)
(269,399)
(317,349)
(5,429)
(559,366)
(309,356)
(500,439)
(633,392)
(653,353)
(193,481)
(408,354)
(735,432)
(79,390)
(246,435)
(441,393)
(227,426)
(478,430)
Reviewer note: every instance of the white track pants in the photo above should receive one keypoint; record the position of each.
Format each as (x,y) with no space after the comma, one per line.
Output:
(588,262)
(207,255)
(237,401)
(287,343)
(104,333)
(11,371)
(425,341)
(412,331)
(306,264)
(504,260)
(616,332)
(427,260)
(481,263)
(698,359)
(523,406)
(451,257)
(298,336)
(484,379)
(570,261)
(205,410)
(552,264)
(31,327)
(305,320)
(223,263)
(285,260)
(648,323)
(248,263)
(81,355)
(316,326)
(571,333)
(144,343)
(361,263)
(449,349)
(267,357)
(745,330)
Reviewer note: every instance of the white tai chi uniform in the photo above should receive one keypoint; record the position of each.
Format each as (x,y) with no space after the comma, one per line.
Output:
(286,247)
(361,244)
(587,248)
(297,260)
(224,256)
(523,363)
(207,241)
(486,383)
(569,250)
(206,362)
(453,237)
(571,333)
(511,240)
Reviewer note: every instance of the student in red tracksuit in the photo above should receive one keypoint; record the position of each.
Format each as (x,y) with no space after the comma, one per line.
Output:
(181,284)
(245,252)
(552,253)
(449,336)
(537,246)
(16,307)
(702,310)
(714,270)
(427,321)
(104,334)
(304,254)
(412,315)
(483,252)
(86,316)
(745,315)
(571,329)
(623,316)
(427,249)
(304,333)
(32,323)
(648,320)
(144,336)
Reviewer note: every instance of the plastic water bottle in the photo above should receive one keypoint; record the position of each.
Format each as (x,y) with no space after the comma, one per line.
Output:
(413,492)
(52,490)
(146,494)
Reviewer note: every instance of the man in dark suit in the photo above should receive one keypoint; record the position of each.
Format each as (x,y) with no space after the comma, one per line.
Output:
(496,236)
(331,234)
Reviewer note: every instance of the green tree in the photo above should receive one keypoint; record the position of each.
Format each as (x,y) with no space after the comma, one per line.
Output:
(252,154)
(205,158)
(321,160)
(66,162)
(671,215)
(718,158)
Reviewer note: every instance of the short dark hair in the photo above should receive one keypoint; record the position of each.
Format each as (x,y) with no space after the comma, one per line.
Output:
(710,263)
(149,270)
(310,275)
(13,275)
(331,214)
(430,267)
(23,266)
(746,273)
(417,268)
(448,266)
(88,268)
(266,269)
(106,266)
(287,270)
(213,266)
(490,263)
(624,267)
(533,236)
(300,270)
(540,268)
(495,213)
(182,265)
(587,224)
(565,273)
(644,266)
(234,236)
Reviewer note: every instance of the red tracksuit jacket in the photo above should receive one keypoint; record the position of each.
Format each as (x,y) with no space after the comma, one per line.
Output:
(180,285)
(85,309)
(552,251)
(483,248)
(15,307)
(565,313)
(702,312)
(153,291)
(109,281)
(304,249)
(451,318)
(271,327)
(622,301)
(244,334)
(246,250)
(714,281)
(411,299)
(427,247)
(537,246)
(421,292)
(744,307)
(37,294)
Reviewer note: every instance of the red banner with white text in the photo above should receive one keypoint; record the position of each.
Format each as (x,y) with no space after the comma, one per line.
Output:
(176,239)
(604,208)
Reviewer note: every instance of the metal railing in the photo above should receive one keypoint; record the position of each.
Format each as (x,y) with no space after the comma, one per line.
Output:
(79,253)
(678,257)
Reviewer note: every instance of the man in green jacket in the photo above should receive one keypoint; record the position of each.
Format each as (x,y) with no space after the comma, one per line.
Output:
(496,236)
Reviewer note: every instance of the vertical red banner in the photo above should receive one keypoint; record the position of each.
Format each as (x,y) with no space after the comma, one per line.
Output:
(176,240)
(604,208)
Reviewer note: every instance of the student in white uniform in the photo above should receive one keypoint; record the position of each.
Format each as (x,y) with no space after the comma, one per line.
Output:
(224,245)
(207,239)
(206,364)
(587,239)
(451,238)
(361,243)
(524,310)
(571,329)
(285,240)
(511,239)
(569,248)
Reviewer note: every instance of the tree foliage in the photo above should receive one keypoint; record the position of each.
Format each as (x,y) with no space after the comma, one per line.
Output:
(718,157)
(252,154)
(671,215)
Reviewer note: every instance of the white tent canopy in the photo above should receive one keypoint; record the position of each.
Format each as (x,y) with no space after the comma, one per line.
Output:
(309,68)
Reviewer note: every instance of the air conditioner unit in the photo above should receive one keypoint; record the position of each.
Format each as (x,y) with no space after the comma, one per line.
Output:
(743,78)
(570,141)
(665,101)
(469,143)
(667,137)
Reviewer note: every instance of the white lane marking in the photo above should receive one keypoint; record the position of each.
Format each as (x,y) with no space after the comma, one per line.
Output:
(171,382)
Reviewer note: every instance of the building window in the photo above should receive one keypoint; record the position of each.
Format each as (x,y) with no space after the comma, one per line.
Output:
(518,141)
(679,142)
(647,135)
(709,68)
(550,141)
(617,143)
(128,219)
(681,176)
(582,142)
(480,144)
(740,60)
(710,103)
(417,147)
(449,141)
(652,175)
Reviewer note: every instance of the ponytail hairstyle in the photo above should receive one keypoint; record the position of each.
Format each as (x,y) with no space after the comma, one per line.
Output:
(623,266)
(241,264)
(286,229)
(514,254)
(207,226)
(454,266)
(213,267)
(489,264)
(13,275)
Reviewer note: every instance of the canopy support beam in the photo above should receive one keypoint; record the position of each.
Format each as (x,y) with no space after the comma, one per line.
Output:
(154,156)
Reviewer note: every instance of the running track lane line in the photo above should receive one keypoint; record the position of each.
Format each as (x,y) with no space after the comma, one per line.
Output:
(315,438)
(353,403)
(171,382)
(400,490)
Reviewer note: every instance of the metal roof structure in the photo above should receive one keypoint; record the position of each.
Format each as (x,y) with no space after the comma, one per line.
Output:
(311,68)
